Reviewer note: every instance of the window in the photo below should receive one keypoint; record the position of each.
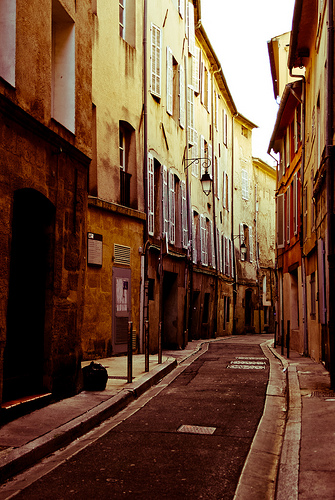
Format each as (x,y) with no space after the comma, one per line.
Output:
(280,221)
(210,242)
(151,193)
(184,223)
(155,60)
(224,128)
(295,203)
(245,189)
(63,67)
(196,237)
(127,21)
(122,18)
(190,114)
(8,40)
(195,70)
(246,238)
(181,97)
(190,25)
(165,212)
(169,81)
(203,240)
(172,208)
(225,193)
(127,165)
(313,296)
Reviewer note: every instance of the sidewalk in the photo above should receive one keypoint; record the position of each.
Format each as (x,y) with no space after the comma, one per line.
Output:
(295,439)
(307,464)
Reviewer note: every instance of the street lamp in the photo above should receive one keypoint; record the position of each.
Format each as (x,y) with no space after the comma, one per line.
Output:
(206,181)
(243,248)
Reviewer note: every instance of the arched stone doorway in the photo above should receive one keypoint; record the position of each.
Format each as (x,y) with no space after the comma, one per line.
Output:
(30,278)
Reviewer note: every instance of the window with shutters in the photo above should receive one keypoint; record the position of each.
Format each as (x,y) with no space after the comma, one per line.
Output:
(195,70)
(191,30)
(210,243)
(224,128)
(63,67)
(288,214)
(151,194)
(181,96)
(172,208)
(127,160)
(203,240)
(228,257)
(194,153)
(127,21)
(181,8)
(190,114)
(169,81)
(219,250)
(8,40)
(184,222)
(155,86)
(165,202)
(196,247)
(280,221)
(245,187)
(295,203)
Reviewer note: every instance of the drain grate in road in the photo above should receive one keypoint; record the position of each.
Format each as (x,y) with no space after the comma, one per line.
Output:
(251,358)
(247,363)
(323,394)
(196,429)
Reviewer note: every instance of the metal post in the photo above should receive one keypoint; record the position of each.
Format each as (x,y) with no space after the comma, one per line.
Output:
(288,339)
(130,353)
(160,343)
(282,338)
(146,344)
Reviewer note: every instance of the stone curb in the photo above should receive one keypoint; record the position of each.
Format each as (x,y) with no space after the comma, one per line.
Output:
(259,474)
(24,457)
(288,475)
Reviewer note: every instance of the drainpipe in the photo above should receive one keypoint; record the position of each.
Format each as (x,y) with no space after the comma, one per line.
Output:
(330,198)
(144,295)
(232,225)
(302,176)
(278,310)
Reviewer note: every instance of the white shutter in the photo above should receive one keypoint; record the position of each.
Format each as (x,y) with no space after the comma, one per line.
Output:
(181,97)
(245,194)
(228,252)
(223,251)
(190,114)
(280,221)
(191,31)
(194,241)
(169,81)
(172,208)
(212,243)
(181,8)
(224,190)
(202,82)
(203,241)
(155,60)
(165,201)
(194,154)
(184,214)
(218,250)
(195,70)
(251,245)
(151,185)
(209,91)
(210,157)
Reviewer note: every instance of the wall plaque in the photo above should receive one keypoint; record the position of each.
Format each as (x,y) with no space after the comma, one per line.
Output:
(94,249)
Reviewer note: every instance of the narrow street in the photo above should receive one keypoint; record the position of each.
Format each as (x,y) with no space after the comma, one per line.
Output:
(188,437)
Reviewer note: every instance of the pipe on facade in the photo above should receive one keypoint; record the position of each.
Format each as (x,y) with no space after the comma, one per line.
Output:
(330,318)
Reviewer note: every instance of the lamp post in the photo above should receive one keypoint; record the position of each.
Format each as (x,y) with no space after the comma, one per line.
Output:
(206,180)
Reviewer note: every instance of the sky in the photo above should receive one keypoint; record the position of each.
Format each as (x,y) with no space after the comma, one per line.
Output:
(238,31)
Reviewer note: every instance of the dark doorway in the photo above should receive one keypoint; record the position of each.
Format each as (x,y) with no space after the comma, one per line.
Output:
(170,311)
(248,308)
(121,309)
(30,277)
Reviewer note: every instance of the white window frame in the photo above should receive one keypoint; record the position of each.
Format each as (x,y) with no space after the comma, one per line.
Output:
(169,81)
(245,186)
(172,208)
(151,194)
(181,97)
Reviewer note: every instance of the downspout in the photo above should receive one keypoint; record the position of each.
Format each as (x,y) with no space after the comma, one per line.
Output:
(232,224)
(144,288)
(302,177)
(216,290)
(330,317)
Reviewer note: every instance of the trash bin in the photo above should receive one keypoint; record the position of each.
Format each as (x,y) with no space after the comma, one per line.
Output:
(95,377)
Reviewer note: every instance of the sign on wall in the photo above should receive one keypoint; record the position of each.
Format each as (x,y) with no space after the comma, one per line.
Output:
(94,249)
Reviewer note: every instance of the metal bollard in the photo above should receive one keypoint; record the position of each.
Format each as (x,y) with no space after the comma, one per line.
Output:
(130,353)
(146,345)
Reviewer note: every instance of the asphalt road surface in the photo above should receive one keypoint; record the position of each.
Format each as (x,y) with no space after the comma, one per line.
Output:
(186,438)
